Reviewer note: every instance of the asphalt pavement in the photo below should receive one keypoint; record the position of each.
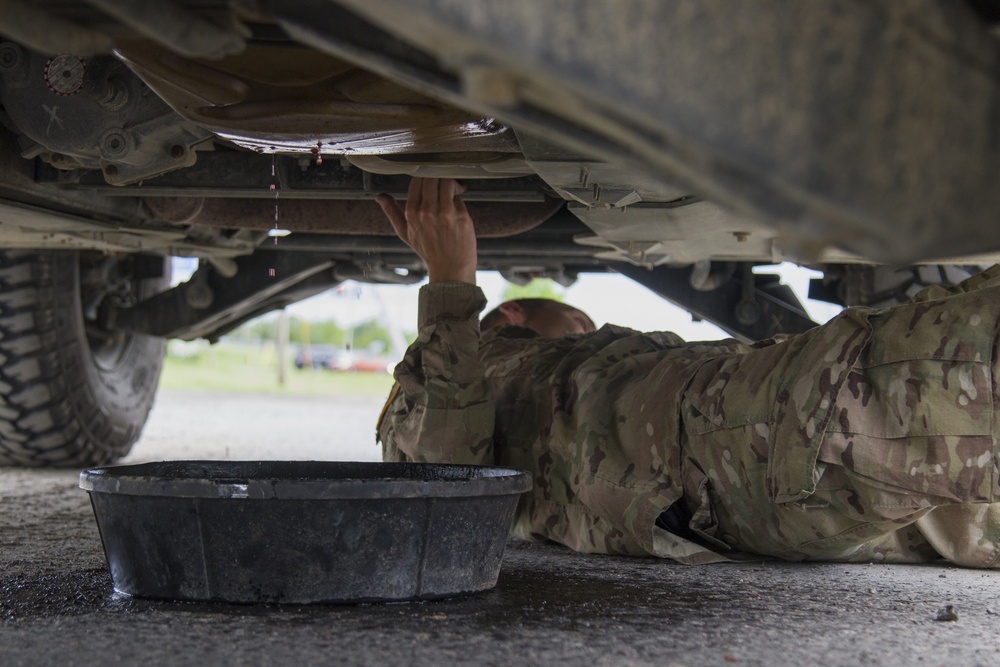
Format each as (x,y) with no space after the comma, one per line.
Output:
(551,606)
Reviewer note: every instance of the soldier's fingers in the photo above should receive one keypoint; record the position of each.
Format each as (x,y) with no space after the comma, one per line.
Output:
(414,197)
(450,189)
(460,205)
(392,210)
(446,191)
(430,198)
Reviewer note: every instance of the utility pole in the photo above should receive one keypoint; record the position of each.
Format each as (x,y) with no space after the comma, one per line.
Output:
(282,346)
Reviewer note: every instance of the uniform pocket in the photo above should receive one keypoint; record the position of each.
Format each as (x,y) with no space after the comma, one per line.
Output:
(916,417)
(785,391)
(819,363)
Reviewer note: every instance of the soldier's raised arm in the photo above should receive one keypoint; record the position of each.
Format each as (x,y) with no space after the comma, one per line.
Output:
(441,409)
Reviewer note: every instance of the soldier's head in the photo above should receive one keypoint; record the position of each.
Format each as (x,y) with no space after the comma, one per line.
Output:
(548,318)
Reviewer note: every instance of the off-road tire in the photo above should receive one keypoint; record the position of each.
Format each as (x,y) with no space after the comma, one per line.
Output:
(63,401)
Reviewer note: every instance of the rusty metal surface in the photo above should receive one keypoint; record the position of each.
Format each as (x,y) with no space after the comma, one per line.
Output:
(492,219)
(279,97)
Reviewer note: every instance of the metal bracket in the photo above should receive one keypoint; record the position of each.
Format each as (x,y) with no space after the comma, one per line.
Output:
(209,305)
(749,307)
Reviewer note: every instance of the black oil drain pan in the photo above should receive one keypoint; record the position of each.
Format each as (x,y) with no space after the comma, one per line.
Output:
(303,531)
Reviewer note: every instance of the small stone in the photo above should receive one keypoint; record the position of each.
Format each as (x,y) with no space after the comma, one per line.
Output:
(947,614)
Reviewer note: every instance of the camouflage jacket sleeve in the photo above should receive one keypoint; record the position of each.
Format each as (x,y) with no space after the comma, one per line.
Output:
(441,409)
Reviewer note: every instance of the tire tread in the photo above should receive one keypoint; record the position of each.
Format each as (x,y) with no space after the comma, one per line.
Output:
(49,416)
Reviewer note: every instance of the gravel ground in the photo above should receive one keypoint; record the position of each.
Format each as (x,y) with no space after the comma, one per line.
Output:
(551,606)
(209,425)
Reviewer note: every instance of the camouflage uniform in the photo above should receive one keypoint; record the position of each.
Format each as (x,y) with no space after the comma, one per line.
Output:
(872,437)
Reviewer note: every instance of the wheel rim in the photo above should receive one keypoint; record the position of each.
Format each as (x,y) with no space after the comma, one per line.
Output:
(104,280)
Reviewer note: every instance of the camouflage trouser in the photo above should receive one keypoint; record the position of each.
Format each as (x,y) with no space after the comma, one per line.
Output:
(871,438)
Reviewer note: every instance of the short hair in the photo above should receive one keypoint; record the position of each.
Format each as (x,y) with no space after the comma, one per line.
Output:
(528,305)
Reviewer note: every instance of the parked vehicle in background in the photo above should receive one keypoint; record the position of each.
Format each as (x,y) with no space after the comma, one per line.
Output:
(368,362)
(317,356)
(338,359)
(680,143)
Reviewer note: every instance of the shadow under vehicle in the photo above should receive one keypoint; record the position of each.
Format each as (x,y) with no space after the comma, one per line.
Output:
(678,143)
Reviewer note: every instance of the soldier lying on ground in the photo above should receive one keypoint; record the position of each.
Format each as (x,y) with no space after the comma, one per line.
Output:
(870,438)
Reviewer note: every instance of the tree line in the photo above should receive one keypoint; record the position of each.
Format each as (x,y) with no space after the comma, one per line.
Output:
(327,332)
(364,335)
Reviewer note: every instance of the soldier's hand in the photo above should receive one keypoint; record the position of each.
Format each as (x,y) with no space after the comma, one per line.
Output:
(437,226)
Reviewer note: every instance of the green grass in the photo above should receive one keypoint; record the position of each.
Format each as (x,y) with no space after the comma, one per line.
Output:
(253,369)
